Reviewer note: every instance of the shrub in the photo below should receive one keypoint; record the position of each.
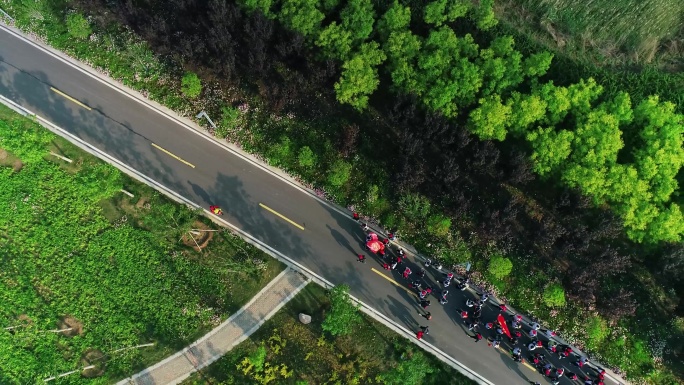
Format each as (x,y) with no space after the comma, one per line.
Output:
(191,85)
(280,153)
(554,295)
(306,158)
(229,116)
(500,267)
(597,331)
(438,225)
(343,315)
(414,206)
(77,26)
(339,173)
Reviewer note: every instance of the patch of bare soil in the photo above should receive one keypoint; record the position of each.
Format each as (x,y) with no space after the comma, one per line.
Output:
(69,322)
(200,237)
(95,358)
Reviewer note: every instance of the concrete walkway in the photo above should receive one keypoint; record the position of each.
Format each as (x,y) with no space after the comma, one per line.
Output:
(222,339)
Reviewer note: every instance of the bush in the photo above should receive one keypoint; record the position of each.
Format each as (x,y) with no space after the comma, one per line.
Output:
(438,225)
(280,153)
(77,26)
(307,158)
(500,267)
(554,295)
(597,331)
(191,85)
(339,173)
(230,117)
(343,315)
(414,206)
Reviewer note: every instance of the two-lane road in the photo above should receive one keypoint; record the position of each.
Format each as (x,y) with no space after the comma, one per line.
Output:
(273,211)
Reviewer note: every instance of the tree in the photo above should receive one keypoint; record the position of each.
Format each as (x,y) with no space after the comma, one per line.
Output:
(302,16)
(360,76)
(501,66)
(339,173)
(263,6)
(484,15)
(438,12)
(526,110)
(500,266)
(343,314)
(557,102)
(537,64)
(447,78)
(358,17)
(554,295)
(550,149)
(191,85)
(77,26)
(582,95)
(396,18)
(596,142)
(490,119)
(335,41)
(402,48)
(661,156)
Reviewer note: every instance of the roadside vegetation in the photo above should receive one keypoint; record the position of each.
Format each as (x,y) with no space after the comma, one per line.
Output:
(285,351)
(88,273)
(574,182)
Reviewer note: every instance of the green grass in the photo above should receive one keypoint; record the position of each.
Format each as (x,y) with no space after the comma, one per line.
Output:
(319,359)
(121,280)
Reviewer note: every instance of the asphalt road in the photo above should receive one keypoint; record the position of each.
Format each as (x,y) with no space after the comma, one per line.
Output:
(329,242)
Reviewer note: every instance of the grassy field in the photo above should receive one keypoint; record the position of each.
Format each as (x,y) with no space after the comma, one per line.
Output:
(307,356)
(614,32)
(109,271)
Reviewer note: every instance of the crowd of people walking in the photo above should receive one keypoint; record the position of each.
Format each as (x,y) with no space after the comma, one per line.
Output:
(526,341)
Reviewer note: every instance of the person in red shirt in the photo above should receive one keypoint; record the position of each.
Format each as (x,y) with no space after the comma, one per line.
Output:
(362,258)
(356,216)
(215,210)
(419,334)
(406,273)
(477,337)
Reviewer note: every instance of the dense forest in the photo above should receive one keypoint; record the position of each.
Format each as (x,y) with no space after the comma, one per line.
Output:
(581,179)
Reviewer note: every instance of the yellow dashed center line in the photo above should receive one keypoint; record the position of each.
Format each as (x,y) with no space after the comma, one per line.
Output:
(173,155)
(293,223)
(393,281)
(58,92)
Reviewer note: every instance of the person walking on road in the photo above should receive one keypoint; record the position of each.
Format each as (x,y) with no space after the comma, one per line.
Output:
(419,334)
(477,337)
(425,329)
(215,210)
(362,258)
(427,315)
(422,294)
(406,273)
(424,304)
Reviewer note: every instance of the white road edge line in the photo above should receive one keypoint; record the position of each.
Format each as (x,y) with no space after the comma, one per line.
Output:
(249,238)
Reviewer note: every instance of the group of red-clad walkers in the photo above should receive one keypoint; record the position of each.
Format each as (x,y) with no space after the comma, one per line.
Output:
(473,314)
